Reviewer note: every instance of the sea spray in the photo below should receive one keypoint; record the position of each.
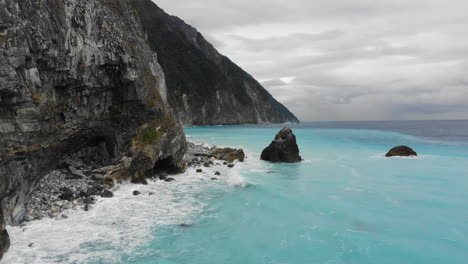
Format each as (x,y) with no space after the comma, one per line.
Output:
(115,228)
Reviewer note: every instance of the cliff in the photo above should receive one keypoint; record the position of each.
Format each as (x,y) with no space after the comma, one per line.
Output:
(76,74)
(111,79)
(204,87)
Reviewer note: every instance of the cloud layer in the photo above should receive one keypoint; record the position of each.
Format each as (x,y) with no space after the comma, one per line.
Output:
(345,60)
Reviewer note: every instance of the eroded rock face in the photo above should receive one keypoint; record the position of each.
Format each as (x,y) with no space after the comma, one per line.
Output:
(78,74)
(283,149)
(203,86)
(401,151)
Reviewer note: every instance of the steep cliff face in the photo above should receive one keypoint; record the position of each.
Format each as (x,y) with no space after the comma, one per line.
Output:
(204,87)
(74,74)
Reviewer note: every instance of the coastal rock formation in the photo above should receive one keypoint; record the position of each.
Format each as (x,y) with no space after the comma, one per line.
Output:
(401,151)
(83,78)
(283,149)
(229,154)
(201,83)
(199,155)
(78,75)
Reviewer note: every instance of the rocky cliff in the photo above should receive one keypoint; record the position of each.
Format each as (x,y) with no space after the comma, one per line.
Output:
(77,74)
(110,78)
(204,87)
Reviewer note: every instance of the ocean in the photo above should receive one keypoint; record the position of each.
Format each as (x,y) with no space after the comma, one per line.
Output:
(346,203)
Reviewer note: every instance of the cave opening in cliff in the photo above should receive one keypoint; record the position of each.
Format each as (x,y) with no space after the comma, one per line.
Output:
(165,165)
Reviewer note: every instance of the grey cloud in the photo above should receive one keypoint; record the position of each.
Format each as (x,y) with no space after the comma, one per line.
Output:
(351,60)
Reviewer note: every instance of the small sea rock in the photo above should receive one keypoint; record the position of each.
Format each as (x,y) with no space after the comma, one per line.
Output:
(231,165)
(169,180)
(199,170)
(217,173)
(401,151)
(136,193)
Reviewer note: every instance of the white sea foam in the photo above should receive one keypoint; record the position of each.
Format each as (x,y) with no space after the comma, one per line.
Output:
(419,157)
(234,179)
(118,226)
(352,189)
(311,160)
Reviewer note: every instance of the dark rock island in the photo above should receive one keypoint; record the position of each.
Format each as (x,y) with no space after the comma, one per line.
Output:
(110,80)
(283,149)
(401,151)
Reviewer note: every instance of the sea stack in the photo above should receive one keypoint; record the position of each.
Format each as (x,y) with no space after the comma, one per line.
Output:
(401,151)
(283,148)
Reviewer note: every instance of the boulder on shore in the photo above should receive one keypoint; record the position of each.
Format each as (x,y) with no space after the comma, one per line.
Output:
(66,194)
(229,154)
(401,151)
(283,148)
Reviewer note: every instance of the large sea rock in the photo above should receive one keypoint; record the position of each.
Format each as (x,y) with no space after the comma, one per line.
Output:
(283,148)
(401,151)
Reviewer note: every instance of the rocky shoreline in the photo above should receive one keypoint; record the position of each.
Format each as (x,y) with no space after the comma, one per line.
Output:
(78,183)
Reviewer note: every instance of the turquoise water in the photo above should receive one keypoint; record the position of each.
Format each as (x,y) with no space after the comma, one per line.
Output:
(345,203)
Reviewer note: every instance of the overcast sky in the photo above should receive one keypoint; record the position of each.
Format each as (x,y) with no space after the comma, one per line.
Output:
(345,59)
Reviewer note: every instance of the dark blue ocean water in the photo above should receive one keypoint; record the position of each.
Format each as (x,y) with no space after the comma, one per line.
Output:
(346,203)
(443,130)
